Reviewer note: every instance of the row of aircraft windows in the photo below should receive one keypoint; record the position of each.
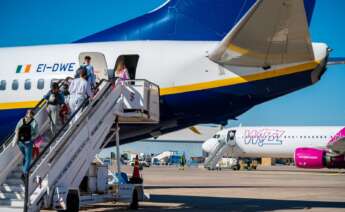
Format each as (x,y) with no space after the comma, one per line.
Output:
(321,136)
(27,84)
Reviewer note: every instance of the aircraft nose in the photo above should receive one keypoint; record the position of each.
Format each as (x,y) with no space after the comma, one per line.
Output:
(209,145)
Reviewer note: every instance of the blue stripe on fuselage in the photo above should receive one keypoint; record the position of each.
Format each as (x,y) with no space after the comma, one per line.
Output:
(216,105)
(187,20)
(9,119)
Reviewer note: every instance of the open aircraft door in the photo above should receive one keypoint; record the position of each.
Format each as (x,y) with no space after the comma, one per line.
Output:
(231,137)
(98,62)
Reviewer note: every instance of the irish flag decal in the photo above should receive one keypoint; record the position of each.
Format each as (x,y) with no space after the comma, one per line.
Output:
(23,68)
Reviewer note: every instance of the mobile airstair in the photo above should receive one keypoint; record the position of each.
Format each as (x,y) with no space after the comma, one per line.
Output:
(55,175)
(225,144)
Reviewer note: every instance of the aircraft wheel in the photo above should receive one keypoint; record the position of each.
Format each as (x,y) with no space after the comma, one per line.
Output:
(135,201)
(72,200)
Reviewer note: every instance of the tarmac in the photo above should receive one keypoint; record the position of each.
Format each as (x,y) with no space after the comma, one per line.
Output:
(277,188)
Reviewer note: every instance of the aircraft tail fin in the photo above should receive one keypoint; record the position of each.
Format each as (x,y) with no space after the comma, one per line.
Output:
(272,32)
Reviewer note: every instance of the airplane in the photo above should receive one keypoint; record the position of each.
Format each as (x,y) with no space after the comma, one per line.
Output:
(211,64)
(311,146)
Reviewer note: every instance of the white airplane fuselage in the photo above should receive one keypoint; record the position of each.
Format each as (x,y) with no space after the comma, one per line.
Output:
(276,142)
(190,83)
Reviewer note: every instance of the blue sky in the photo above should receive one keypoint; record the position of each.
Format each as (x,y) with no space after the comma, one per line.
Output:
(49,22)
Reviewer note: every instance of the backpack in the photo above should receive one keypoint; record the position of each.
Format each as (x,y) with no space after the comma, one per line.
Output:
(24,132)
(53,100)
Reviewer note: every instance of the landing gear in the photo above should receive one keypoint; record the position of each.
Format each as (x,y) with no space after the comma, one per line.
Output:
(245,164)
(135,200)
(72,201)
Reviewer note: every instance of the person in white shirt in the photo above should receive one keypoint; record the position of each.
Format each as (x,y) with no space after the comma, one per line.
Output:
(79,91)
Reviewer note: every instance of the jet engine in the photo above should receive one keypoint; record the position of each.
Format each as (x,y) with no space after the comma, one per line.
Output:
(313,158)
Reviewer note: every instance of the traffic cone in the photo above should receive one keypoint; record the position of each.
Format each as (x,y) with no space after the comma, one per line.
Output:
(136,175)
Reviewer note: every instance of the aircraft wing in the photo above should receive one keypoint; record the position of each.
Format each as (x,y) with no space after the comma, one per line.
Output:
(337,143)
(336,61)
(272,32)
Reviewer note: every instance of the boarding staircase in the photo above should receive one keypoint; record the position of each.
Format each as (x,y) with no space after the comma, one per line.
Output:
(215,156)
(224,145)
(55,175)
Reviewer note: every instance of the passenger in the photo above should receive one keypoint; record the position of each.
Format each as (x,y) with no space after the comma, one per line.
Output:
(121,71)
(182,162)
(25,133)
(79,91)
(90,73)
(55,100)
(64,111)
(77,73)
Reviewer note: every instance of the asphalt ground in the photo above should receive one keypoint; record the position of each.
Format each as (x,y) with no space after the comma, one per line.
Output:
(277,188)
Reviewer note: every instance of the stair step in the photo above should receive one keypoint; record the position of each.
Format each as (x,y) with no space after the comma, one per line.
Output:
(12,195)
(12,188)
(14,174)
(12,203)
(10,209)
(14,181)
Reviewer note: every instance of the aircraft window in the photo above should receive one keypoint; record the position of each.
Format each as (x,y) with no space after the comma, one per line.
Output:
(3,85)
(40,84)
(27,84)
(312,137)
(15,85)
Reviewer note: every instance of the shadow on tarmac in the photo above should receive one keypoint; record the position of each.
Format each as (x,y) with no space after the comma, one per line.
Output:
(197,203)
(233,186)
(240,204)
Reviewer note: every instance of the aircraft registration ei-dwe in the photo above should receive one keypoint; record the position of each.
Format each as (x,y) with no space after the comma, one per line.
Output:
(213,61)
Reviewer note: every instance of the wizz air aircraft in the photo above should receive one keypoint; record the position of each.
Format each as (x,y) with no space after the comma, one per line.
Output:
(311,147)
(213,60)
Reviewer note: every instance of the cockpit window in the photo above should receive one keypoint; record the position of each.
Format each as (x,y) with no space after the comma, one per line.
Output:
(3,85)
(15,84)
(216,136)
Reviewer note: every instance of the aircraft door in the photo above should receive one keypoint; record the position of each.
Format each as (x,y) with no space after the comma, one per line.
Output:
(231,137)
(98,62)
(130,62)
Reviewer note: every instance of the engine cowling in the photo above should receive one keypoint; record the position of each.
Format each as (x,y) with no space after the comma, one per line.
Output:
(313,158)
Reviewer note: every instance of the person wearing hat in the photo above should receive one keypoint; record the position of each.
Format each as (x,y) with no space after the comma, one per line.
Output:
(55,99)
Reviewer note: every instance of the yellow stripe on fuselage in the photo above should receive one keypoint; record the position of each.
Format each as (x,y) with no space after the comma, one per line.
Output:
(18,105)
(200,86)
(239,79)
